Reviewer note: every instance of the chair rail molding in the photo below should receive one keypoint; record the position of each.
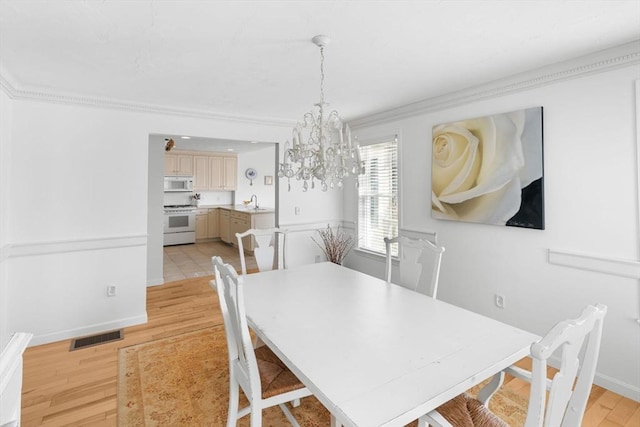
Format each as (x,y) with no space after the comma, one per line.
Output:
(4,253)
(618,267)
(72,245)
(310,226)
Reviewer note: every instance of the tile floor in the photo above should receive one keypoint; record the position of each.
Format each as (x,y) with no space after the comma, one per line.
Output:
(185,261)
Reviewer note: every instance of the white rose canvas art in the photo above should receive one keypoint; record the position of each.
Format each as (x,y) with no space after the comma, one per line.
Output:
(489,170)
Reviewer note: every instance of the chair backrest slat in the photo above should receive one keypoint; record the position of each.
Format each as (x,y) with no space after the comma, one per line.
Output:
(231,295)
(566,402)
(269,251)
(416,256)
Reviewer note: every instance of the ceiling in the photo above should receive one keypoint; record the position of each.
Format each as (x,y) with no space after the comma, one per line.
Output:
(255,60)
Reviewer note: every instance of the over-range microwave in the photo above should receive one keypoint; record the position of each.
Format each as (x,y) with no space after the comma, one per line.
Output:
(178,183)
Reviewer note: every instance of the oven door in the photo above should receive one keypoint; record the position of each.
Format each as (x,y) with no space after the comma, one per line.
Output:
(179,222)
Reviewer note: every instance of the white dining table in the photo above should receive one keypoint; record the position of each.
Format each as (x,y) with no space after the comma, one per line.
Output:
(373,353)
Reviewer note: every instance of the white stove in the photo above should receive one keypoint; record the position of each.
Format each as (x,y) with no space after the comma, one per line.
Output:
(179,224)
(179,208)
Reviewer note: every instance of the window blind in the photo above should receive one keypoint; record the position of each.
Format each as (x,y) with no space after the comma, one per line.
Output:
(378,196)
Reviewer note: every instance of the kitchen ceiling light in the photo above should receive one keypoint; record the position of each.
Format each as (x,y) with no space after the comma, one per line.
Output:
(328,155)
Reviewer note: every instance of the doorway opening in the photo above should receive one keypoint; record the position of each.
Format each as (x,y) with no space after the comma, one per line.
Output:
(170,263)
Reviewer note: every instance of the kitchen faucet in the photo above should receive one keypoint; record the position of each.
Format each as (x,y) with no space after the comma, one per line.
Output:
(251,200)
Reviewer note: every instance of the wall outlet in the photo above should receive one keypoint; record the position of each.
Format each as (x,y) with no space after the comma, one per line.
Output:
(111,290)
(297,210)
(500,300)
(317,259)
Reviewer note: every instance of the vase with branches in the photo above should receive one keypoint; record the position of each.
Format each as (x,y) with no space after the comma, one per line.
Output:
(335,244)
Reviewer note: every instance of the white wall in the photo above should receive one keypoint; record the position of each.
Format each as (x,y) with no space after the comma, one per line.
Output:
(591,200)
(79,219)
(155,213)
(263,161)
(5,169)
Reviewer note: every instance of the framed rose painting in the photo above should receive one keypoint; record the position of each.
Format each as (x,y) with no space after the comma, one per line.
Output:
(489,170)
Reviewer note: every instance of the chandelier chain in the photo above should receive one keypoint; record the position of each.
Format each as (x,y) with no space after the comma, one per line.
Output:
(321,75)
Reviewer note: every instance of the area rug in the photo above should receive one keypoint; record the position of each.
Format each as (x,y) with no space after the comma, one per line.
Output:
(184,381)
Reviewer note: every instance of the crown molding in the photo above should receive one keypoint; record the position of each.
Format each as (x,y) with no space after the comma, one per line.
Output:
(618,57)
(30,94)
(606,60)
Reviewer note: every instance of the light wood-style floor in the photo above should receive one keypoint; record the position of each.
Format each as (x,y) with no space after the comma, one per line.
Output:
(63,388)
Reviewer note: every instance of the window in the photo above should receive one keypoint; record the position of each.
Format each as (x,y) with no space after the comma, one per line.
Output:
(378,195)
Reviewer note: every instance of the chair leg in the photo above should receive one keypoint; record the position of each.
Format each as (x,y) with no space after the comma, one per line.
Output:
(256,415)
(487,392)
(234,397)
(289,415)
(433,418)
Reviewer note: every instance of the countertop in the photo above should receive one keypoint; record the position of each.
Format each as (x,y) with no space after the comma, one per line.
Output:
(239,208)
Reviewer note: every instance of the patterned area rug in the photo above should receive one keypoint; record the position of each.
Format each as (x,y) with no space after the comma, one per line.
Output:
(183,381)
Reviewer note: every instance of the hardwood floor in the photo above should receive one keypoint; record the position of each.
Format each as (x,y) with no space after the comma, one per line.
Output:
(69,388)
(73,388)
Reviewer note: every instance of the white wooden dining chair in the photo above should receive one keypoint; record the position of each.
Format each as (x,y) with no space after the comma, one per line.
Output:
(568,390)
(264,379)
(269,248)
(415,256)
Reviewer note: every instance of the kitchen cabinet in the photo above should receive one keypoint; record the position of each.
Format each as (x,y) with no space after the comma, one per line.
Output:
(213,226)
(241,221)
(230,173)
(215,172)
(200,173)
(201,224)
(223,173)
(207,223)
(225,234)
(178,164)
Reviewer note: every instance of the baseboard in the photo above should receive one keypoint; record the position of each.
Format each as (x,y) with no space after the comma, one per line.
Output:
(155,282)
(612,384)
(617,386)
(87,330)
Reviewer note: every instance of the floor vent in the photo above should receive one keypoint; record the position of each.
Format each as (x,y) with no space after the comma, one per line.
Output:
(103,338)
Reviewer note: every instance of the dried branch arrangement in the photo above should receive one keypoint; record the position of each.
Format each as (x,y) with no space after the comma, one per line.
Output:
(335,244)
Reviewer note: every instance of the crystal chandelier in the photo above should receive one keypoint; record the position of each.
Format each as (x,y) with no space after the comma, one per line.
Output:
(328,155)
